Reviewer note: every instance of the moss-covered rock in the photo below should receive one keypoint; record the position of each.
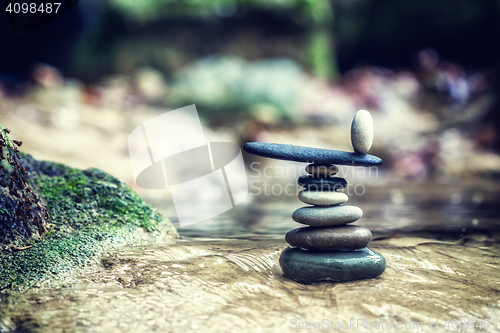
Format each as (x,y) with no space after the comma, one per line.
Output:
(90,212)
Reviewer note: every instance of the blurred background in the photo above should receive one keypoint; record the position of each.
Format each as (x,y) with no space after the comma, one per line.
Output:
(285,71)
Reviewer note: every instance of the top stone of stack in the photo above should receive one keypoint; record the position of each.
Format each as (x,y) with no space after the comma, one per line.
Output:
(361,138)
(362,132)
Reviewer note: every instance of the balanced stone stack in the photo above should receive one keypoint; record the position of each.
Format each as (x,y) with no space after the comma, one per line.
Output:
(329,248)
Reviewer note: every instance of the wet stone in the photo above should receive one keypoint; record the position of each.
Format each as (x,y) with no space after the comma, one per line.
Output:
(310,155)
(327,216)
(319,170)
(323,198)
(348,237)
(322,184)
(312,266)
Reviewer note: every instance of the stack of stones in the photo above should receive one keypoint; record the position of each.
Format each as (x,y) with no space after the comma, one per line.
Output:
(329,248)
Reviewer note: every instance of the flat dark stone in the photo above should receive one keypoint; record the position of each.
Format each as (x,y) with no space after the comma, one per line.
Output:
(327,216)
(312,266)
(347,237)
(310,155)
(322,170)
(312,183)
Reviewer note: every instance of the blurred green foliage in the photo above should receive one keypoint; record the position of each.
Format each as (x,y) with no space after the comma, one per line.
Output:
(151,10)
(321,35)
(222,85)
(319,14)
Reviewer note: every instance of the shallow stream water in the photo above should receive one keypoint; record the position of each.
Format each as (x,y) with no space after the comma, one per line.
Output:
(442,245)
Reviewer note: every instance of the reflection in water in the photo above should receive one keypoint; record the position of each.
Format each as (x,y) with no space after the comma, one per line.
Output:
(210,284)
(427,207)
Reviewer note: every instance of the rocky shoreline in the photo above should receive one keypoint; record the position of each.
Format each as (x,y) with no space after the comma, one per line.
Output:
(91,213)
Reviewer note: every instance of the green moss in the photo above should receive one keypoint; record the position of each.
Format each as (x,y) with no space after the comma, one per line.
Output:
(58,256)
(93,197)
(91,212)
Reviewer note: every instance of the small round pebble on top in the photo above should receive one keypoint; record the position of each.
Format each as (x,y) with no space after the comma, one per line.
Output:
(362,132)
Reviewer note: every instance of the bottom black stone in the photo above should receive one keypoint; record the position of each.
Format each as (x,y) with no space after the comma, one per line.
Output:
(312,266)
